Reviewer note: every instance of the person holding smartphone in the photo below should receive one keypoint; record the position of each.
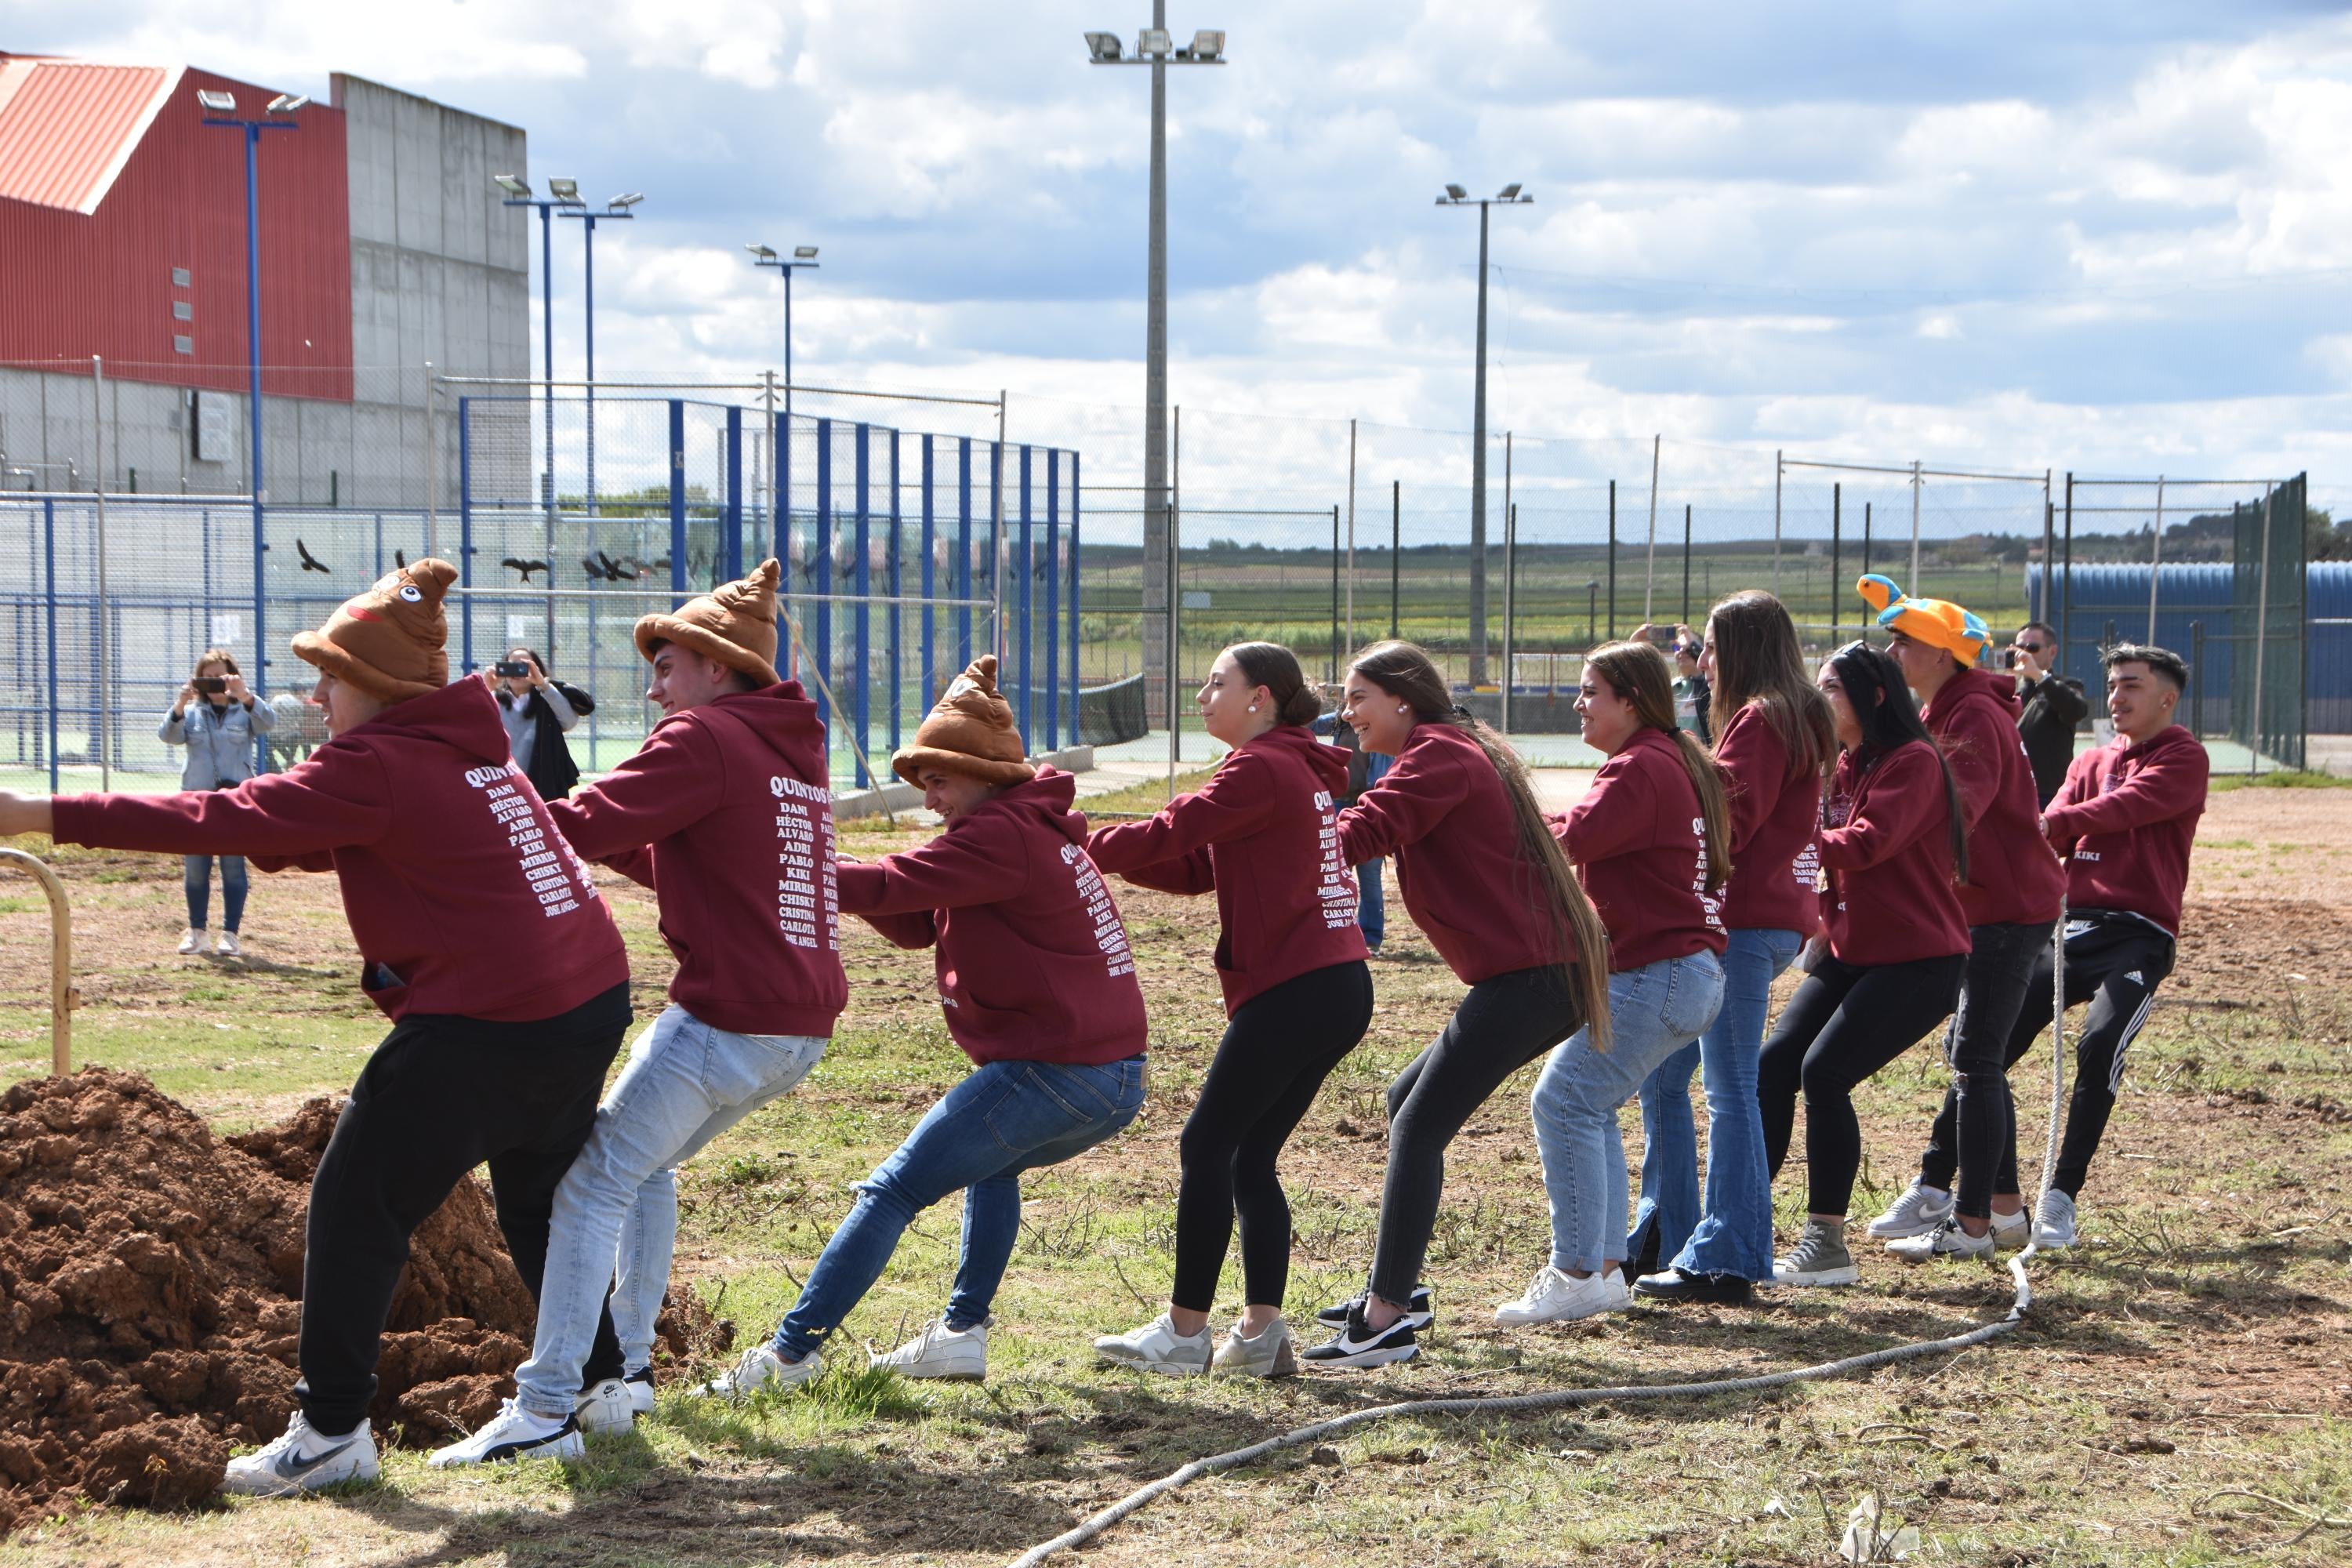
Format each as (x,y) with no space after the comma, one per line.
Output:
(538,711)
(217,719)
(2052,707)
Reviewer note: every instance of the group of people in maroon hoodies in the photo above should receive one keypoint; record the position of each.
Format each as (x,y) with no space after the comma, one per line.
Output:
(1921,871)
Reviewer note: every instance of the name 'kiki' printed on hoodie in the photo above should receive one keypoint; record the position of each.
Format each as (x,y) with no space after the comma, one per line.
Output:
(547,864)
(1110,936)
(808,900)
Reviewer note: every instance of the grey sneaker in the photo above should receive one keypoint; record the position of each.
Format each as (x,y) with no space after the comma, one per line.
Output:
(1158,1347)
(2054,1221)
(1918,1212)
(1948,1240)
(1274,1353)
(1820,1258)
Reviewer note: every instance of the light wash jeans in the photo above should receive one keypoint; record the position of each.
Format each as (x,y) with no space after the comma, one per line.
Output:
(1733,1235)
(1654,1011)
(1006,1118)
(685,1083)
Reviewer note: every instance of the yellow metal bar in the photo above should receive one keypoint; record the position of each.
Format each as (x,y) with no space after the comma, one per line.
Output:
(63,997)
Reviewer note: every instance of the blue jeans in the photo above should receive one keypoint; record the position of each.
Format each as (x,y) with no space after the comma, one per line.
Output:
(1654,1011)
(197,877)
(1006,1118)
(685,1083)
(1371,909)
(1734,1233)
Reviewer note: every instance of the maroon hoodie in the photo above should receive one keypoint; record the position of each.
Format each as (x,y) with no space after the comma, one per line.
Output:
(2128,814)
(1443,813)
(2013,879)
(461,894)
(1886,848)
(1263,832)
(1640,842)
(757,941)
(1776,807)
(1032,962)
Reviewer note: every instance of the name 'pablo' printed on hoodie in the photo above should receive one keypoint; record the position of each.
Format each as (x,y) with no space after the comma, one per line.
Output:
(557,879)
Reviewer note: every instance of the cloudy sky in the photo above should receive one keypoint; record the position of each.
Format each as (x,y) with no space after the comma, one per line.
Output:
(2105,235)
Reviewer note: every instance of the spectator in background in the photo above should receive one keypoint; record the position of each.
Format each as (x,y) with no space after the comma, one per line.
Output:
(538,711)
(1693,696)
(215,718)
(2055,706)
(1365,769)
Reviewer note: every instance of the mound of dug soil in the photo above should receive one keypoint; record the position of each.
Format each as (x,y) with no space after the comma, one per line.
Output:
(150,1277)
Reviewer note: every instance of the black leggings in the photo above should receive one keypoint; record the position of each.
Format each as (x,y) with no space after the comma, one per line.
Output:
(1844,1023)
(1278,1047)
(2115,962)
(1505,1022)
(1983,1119)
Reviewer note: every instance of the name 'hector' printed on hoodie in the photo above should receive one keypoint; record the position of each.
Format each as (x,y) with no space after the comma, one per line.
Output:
(808,900)
(547,864)
(1110,935)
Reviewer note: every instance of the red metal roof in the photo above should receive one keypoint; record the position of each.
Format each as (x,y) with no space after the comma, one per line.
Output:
(66,127)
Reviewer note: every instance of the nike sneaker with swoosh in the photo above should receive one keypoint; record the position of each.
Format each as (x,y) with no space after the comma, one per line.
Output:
(302,1460)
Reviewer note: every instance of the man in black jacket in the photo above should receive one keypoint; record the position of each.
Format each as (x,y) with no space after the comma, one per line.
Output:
(2053,707)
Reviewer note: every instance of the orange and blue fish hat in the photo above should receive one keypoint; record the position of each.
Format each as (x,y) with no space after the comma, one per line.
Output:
(1938,623)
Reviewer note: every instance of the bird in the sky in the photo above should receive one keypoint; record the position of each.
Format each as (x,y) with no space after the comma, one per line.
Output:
(526,567)
(310,562)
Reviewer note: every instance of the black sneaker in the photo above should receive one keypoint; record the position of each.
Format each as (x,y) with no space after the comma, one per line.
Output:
(1646,1260)
(1682,1285)
(1417,1312)
(1358,1345)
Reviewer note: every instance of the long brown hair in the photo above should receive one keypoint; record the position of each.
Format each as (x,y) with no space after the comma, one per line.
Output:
(1756,660)
(1638,672)
(1556,898)
(219,655)
(1880,700)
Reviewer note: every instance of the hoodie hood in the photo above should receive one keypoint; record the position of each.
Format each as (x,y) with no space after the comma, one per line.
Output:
(1329,762)
(1979,685)
(782,716)
(1047,798)
(462,714)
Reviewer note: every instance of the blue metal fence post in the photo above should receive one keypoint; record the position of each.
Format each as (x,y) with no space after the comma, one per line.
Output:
(734,493)
(1027,569)
(897,670)
(465,531)
(677,501)
(963,553)
(782,438)
(49,584)
(823,652)
(1053,598)
(861,578)
(930,552)
(1075,739)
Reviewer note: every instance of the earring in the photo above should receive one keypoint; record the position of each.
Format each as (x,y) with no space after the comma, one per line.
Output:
(1253,706)
(1401,708)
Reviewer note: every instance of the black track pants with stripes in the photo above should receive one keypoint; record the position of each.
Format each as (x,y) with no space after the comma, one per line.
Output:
(2115,962)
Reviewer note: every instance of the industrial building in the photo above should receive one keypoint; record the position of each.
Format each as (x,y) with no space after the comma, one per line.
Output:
(385,248)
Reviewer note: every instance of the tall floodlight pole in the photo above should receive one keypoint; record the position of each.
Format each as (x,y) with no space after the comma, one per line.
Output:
(1455,196)
(618,208)
(803,258)
(562,195)
(1157,48)
(221,109)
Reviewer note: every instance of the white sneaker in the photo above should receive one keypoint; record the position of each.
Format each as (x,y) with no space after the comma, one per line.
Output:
(194,942)
(1553,1297)
(1918,1212)
(225,946)
(1274,1353)
(641,1391)
(941,1352)
(605,1408)
(2012,1231)
(1948,1240)
(761,1367)
(302,1461)
(2054,1221)
(1158,1347)
(512,1434)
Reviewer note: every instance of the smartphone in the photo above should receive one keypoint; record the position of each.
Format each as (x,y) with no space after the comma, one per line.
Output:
(209,685)
(516,666)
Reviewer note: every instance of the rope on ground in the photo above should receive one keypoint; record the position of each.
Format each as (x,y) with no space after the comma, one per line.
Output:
(1562,1398)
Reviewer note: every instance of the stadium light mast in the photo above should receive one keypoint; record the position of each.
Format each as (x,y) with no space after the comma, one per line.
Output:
(1156,47)
(220,108)
(618,208)
(561,195)
(802,256)
(1455,196)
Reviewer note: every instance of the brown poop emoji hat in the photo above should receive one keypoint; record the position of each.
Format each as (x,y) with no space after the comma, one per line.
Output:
(388,641)
(970,731)
(734,624)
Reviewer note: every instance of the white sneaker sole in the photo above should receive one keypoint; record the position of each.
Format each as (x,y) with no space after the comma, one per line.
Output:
(1164,1368)
(936,1373)
(561,1446)
(1880,1230)
(247,1484)
(1849,1275)
(1368,1358)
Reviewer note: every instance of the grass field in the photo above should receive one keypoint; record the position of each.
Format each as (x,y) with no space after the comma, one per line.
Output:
(2193,1354)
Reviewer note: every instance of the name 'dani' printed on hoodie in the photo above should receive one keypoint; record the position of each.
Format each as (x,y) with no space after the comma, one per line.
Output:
(808,900)
(1337,888)
(545,859)
(1109,934)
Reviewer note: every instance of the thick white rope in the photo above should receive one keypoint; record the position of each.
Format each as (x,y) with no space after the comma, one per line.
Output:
(1556,1399)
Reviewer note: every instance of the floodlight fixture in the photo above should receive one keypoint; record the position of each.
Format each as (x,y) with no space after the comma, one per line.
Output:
(563,190)
(1103,48)
(622,203)
(804,252)
(1155,43)
(288,103)
(1507,194)
(765,253)
(1457,192)
(511,186)
(218,102)
(1207,45)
